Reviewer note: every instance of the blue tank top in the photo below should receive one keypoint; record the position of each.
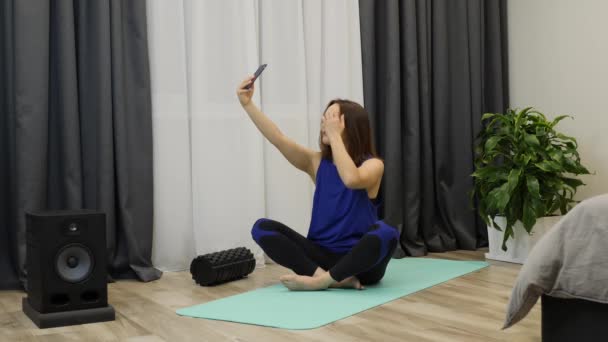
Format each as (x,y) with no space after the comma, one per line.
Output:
(340,216)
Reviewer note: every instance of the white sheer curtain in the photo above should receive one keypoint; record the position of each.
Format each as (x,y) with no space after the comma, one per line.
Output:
(214,173)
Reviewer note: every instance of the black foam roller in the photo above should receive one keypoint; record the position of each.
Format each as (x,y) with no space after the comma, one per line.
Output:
(220,267)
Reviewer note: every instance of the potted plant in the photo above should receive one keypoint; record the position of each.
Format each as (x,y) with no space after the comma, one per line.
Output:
(524,173)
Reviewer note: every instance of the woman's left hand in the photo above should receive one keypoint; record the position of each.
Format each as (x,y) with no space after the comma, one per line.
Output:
(333,123)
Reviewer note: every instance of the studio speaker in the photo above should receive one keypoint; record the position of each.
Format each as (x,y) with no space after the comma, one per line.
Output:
(66,268)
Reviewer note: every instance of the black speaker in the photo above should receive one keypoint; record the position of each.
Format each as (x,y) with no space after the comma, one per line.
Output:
(66,268)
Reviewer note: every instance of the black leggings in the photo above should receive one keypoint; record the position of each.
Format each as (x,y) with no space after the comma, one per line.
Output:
(367,260)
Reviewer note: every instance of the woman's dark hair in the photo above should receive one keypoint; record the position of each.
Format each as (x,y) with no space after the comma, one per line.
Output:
(358,137)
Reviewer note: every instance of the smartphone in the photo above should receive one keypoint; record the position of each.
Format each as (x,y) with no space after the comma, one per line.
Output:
(256,75)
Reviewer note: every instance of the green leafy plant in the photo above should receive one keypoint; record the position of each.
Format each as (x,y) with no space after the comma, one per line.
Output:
(524,169)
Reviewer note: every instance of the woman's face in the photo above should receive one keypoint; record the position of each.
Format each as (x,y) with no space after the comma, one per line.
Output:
(333,108)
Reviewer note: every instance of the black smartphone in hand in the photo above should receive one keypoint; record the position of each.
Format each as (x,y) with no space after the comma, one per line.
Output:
(256,75)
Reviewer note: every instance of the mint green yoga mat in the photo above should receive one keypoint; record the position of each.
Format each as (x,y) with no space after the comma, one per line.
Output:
(275,306)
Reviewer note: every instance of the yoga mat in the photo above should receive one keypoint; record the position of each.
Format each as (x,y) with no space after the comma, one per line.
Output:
(276,306)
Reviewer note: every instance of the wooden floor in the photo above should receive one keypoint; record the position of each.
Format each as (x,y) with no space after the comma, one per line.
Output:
(469,308)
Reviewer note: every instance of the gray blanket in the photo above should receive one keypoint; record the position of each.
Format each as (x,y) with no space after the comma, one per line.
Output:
(570,261)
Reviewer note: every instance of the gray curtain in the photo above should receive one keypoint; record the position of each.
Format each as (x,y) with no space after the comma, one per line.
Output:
(430,70)
(75,125)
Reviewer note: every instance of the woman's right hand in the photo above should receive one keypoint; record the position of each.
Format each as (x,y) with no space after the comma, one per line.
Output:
(245,95)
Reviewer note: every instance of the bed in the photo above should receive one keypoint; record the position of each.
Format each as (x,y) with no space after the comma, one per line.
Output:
(568,268)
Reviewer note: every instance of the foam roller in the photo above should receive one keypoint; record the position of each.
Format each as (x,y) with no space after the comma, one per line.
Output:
(220,267)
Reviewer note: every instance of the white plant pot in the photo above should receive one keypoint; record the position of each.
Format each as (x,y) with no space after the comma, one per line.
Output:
(520,246)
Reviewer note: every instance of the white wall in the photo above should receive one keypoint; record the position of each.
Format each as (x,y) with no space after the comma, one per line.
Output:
(558,60)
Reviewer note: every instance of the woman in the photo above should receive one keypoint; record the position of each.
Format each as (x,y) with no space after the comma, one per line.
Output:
(347,246)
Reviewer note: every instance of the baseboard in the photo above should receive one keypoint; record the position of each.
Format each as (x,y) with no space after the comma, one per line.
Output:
(504,259)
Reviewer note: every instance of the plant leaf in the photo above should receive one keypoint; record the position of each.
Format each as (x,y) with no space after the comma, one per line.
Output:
(556,155)
(573,182)
(513,180)
(541,131)
(549,166)
(558,119)
(532,140)
(533,186)
(529,214)
(508,233)
(500,197)
(539,206)
(487,116)
(567,138)
(492,142)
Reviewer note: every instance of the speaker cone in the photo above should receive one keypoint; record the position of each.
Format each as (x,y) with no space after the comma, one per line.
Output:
(74,263)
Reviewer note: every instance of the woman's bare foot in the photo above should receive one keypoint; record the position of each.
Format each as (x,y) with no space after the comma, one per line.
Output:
(303,283)
(319,272)
(349,283)
(321,280)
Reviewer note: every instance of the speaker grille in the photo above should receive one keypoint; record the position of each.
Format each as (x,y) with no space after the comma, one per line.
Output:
(74,263)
